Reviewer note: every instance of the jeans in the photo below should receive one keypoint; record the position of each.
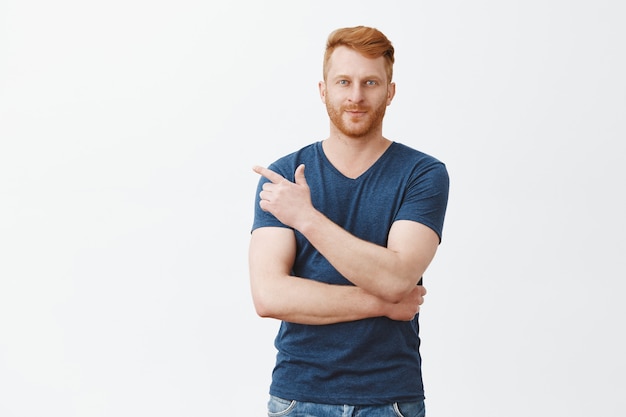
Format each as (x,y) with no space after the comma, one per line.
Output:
(278,407)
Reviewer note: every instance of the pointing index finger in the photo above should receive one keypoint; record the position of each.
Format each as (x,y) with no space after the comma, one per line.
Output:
(268,173)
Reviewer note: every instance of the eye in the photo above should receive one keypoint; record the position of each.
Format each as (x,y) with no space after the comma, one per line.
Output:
(371,82)
(342,82)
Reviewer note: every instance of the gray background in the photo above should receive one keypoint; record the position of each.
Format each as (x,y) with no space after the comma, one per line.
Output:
(128,131)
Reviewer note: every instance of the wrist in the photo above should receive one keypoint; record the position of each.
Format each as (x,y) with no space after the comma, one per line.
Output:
(373,306)
(310,222)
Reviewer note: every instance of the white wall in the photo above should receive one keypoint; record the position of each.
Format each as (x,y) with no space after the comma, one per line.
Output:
(127,134)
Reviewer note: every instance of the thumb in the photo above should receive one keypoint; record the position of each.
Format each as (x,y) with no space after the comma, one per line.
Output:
(299,175)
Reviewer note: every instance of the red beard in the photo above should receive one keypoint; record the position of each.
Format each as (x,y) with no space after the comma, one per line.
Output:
(356,126)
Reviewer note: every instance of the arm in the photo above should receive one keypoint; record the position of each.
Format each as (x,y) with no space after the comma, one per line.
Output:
(411,246)
(279,295)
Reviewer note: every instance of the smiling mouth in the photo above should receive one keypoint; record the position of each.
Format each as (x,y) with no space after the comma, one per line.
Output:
(356,112)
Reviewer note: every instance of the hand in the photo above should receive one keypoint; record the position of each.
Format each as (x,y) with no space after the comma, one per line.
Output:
(287,201)
(406,309)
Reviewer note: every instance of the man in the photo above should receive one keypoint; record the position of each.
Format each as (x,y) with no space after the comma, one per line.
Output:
(343,230)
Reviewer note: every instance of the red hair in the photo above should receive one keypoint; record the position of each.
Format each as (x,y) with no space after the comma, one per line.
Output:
(369,42)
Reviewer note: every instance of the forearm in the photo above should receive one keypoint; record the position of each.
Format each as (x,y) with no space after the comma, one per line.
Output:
(306,301)
(379,270)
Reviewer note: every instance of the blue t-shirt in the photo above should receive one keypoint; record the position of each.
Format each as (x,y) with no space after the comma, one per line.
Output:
(370,361)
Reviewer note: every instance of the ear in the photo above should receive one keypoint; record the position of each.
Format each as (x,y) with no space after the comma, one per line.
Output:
(322,88)
(391,92)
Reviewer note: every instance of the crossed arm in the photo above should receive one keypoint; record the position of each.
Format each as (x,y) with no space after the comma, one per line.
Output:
(385,278)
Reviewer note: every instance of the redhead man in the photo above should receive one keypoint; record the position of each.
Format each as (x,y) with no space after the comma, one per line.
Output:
(343,231)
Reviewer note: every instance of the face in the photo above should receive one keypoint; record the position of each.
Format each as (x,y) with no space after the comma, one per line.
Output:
(356,92)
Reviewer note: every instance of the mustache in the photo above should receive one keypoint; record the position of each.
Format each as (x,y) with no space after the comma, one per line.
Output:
(355,108)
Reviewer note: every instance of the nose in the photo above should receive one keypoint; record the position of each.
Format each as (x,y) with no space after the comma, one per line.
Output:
(356,93)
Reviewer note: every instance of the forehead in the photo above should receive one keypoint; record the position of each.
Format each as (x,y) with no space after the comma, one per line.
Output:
(347,61)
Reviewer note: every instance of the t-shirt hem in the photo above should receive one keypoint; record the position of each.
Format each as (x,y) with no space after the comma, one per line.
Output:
(290,396)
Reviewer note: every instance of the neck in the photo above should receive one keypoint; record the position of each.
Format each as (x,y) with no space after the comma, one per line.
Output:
(353,156)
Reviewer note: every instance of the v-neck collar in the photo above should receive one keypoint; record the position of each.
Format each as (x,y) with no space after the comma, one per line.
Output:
(383,156)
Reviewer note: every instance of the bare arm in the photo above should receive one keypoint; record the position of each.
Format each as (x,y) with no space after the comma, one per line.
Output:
(279,295)
(390,273)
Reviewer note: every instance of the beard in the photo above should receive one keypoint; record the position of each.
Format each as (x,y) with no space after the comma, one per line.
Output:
(356,127)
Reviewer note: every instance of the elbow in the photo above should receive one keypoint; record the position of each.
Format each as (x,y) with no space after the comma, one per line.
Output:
(268,295)
(263,303)
(398,292)
(261,306)
(262,309)
(395,297)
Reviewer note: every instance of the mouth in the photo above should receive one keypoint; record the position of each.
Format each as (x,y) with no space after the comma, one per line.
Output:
(356,112)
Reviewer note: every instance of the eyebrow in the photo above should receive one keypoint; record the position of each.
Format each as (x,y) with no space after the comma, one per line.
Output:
(367,77)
